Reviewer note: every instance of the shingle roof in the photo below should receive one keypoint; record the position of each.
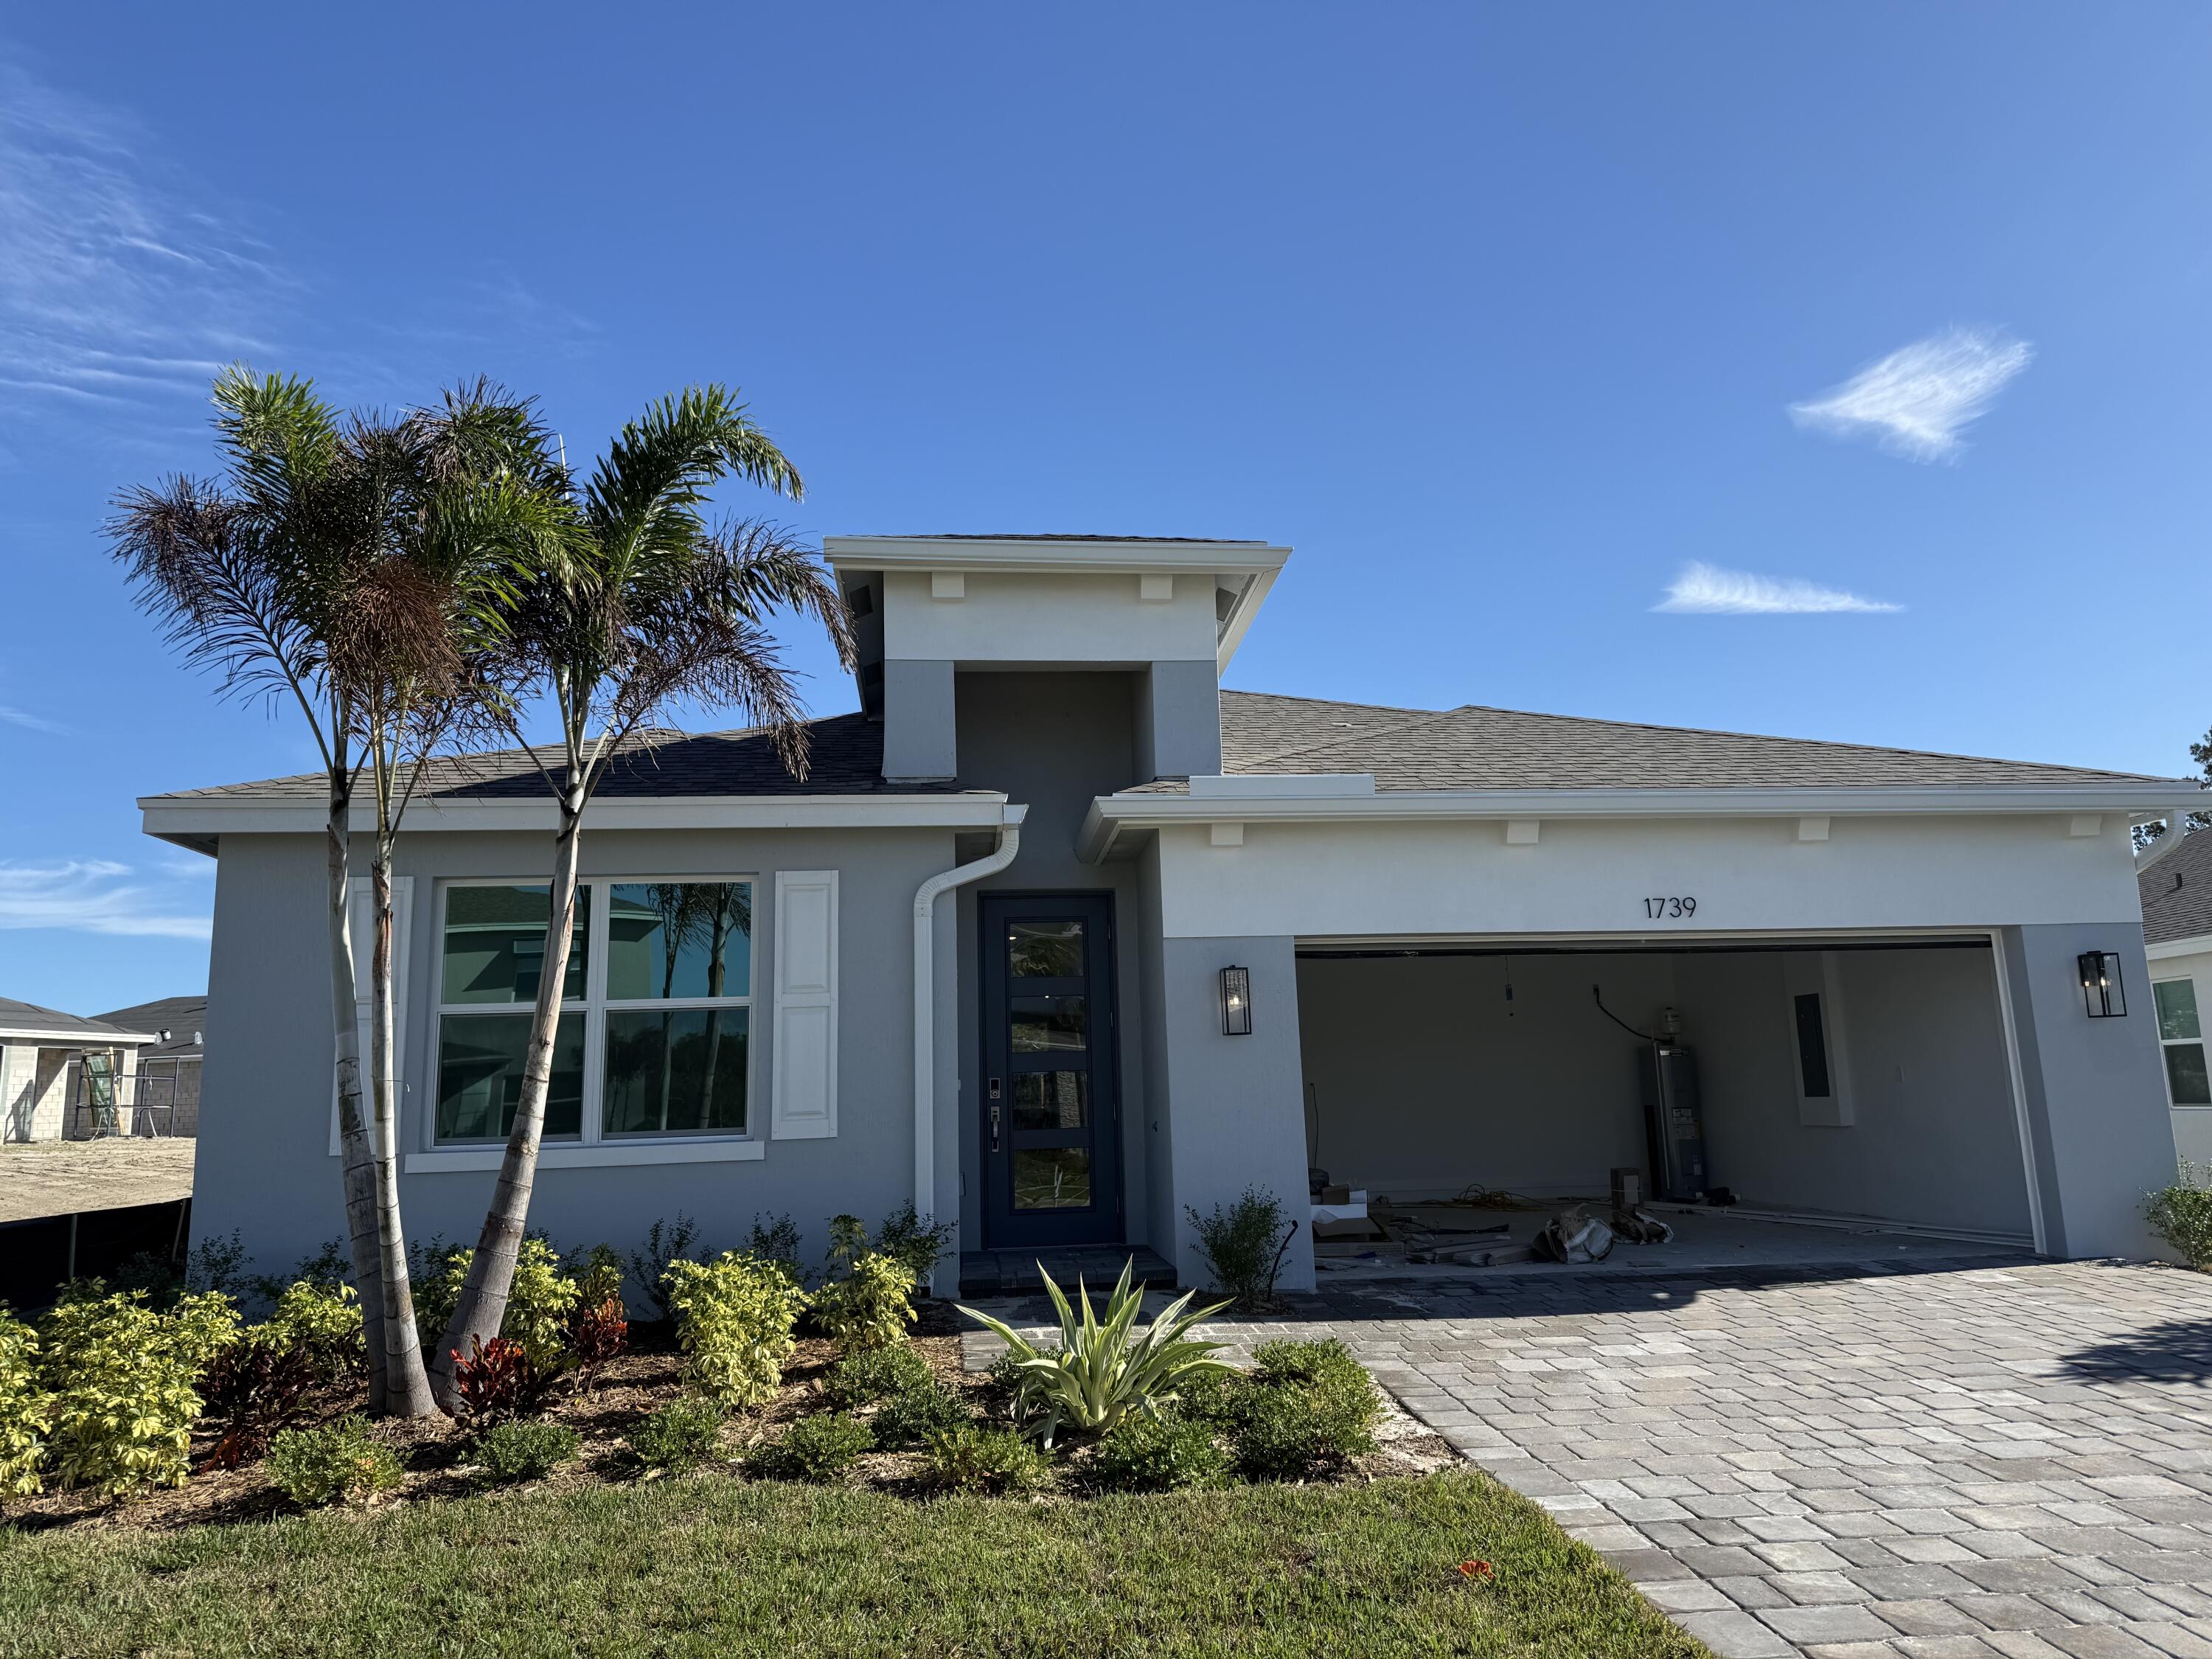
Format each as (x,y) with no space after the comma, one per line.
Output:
(1479,748)
(845,757)
(29,1016)
(184,1018)
(2177,891)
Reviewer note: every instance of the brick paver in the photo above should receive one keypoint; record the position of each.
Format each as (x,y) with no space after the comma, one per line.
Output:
(1989,1460)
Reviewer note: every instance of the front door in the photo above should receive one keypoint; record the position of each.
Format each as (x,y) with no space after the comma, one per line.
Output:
(1052,1108)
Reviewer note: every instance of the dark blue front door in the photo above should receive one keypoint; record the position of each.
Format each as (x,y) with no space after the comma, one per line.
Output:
(1051,1100)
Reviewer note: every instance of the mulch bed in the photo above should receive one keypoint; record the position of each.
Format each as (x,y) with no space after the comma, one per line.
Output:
(435,1451)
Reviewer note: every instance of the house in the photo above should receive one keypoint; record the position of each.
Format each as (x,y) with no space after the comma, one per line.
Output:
(1060,941)
(2175,882)
(43,1053)
(169,1066)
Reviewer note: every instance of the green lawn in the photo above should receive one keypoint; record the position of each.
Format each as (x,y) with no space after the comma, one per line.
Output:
(713,1565)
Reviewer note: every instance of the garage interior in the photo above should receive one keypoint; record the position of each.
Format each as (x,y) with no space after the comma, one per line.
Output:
(1852,1097)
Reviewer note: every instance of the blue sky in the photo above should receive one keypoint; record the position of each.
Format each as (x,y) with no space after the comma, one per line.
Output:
(1508,319)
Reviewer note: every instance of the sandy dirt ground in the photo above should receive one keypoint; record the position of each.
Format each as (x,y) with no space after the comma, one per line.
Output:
(60,1177)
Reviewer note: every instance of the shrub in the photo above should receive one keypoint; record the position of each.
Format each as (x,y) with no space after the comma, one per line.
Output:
(254,1388)
(125,1384)
(320,1322)
(498,1380)
(538,1305)
(848,1237)
(1211,1397)
(1310,1405)
(1147,1454)
(814,1449)
(337,1461)
(872,1374)
(25,1409)
(917,1241)
(597,1335)
(2182,1214)
(598,1276)
(667,1242)
(525,1451)
(974,1459)
(778,1241)
(436,1270)
(682,1435)
(871,1307)
(1244,1243)
(734,1318)
(1100,1372)
(909,1418)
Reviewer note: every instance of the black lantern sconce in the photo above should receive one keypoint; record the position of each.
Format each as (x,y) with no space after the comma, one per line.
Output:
(2102,994)
(1236,1002)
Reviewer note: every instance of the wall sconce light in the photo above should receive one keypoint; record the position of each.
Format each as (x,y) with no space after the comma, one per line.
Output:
(1236,1002)
(2102,994)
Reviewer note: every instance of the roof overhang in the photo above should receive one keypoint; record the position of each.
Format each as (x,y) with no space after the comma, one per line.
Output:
(1018,553)
(1113,817)
(195,822)
(2190,944)
(78,1039)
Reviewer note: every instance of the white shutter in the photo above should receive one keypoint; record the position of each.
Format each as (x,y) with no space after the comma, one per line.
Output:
(363,919)
(804,1092)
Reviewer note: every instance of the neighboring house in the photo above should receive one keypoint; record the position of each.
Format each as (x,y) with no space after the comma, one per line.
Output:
(1058,939)
(169,1066)
(2176,886)
(42,1052)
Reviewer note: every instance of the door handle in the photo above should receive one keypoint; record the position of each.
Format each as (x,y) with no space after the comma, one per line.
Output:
(994,1125)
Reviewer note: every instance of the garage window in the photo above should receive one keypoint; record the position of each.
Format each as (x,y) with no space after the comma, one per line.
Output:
(2181,1034)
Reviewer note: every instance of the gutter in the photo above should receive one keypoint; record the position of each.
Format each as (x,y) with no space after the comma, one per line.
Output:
(1249,800)
(925,999)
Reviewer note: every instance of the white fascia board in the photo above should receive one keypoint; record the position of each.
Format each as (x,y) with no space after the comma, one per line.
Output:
(81,1039)
(1014,553)
(2194,944)
(1240,618)
(169,818)
(1110,815)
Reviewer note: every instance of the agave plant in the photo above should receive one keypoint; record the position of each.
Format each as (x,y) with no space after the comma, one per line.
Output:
(1101,1372)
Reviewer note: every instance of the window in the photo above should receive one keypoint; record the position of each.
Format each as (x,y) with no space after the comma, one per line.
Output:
(2181,1034)
(654,1035)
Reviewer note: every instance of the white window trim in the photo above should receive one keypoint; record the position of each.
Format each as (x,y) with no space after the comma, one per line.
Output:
(594,1149)
(2200,1041)
(362,896)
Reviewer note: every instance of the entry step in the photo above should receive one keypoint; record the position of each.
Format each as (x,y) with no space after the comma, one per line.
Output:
(1006,1273)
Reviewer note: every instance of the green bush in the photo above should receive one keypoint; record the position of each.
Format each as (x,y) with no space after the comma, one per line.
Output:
(873,1374)
(320,1322)
(814,1449)
(1309,1405)
(525,1451)
(338,1463)
(917,1241)
(666,1244)
(2182,1214)
(540,1301)
(975,1459)
(734,1318)
(1150,1454)
(26,1408)
(435,1272)
(1099,1372)
(598,1276)
(871,1307)
(1211,1397)
(909,1418)
(775,1236)
(682,1435)
(1244,1243)
(125,1382)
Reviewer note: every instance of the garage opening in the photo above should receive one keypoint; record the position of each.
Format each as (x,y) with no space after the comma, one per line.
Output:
(1850,1084)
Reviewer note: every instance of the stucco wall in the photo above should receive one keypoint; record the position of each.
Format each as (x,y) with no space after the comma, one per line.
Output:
(263,1163)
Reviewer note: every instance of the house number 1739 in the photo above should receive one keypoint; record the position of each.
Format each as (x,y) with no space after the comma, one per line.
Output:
(1669,908)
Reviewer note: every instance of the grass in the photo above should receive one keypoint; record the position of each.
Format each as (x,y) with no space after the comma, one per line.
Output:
(715,1566)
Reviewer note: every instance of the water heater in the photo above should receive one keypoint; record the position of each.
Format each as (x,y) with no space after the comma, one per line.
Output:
(1674,1126)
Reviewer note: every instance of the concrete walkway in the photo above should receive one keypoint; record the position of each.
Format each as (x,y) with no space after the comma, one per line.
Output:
(1842,1462)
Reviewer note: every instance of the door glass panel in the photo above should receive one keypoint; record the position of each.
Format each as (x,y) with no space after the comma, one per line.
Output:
(2186,1074)
(1052,1178)
(480,1059)
(2177,1008)
(678,1072)
(679,938)
(495,944)
(1044,950)
(1042,1024)
(1052,1100)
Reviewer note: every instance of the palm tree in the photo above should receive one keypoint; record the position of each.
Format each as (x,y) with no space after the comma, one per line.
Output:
(647,605)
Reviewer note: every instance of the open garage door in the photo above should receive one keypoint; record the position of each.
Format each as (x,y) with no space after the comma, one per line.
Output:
(1836,1080)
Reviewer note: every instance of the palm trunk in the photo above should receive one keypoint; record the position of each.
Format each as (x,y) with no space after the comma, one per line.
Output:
(407,1390)
(358,1156)
(483,1302)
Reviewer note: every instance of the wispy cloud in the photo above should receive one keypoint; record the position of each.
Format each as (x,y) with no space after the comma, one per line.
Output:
(93,896)
(29,722)
(1914,401)
(1710,589)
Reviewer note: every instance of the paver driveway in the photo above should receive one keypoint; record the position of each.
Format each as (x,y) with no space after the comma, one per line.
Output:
(2012,1460)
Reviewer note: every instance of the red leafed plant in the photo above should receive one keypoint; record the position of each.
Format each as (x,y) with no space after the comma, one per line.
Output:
(597,1335)
(254,1388)
(497,1380)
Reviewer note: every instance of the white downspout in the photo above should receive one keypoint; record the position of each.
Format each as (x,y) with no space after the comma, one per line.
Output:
(925,999)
